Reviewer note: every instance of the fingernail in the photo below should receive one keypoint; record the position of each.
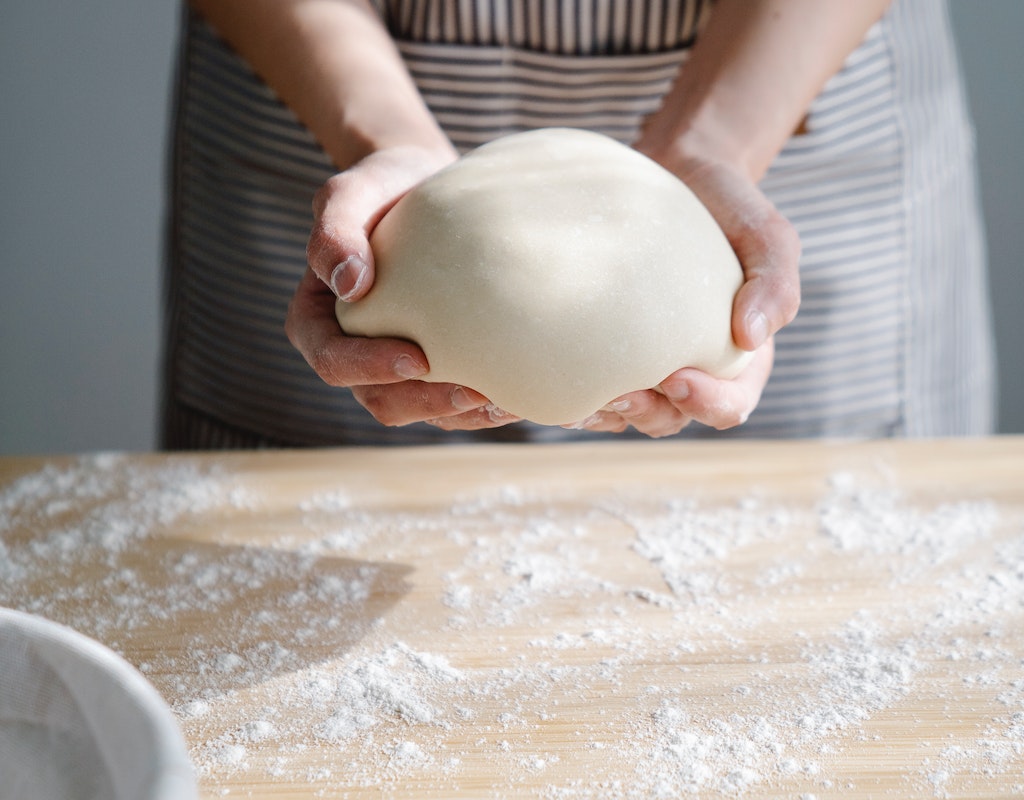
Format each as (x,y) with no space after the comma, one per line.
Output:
(620,406)
(464,400)
(757,326)
(406,366)
(349,277)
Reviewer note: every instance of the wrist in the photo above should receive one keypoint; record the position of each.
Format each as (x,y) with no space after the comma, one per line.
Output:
(354,141)
(685,144)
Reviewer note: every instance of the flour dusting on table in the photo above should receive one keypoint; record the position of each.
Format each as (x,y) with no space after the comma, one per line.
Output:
(297,671)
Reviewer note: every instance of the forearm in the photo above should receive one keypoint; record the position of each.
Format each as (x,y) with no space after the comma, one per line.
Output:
(751,77)
(333,63)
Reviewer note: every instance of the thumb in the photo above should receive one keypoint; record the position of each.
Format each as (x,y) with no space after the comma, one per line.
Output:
(345,209)
(349,205)
(768,248)
(769,298)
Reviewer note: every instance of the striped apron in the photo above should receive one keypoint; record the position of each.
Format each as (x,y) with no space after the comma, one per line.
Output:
(892,337)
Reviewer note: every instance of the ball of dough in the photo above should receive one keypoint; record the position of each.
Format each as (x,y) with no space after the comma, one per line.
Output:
(553,271)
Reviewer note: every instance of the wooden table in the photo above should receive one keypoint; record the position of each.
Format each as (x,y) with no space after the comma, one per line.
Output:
(627,620)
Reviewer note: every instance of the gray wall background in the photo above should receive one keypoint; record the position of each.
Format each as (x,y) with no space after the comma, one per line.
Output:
(84,101)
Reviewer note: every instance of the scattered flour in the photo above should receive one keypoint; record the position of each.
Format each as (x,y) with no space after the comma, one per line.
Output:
(388,707)
(879,521)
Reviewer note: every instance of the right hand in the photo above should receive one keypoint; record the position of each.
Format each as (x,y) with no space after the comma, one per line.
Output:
(381,372)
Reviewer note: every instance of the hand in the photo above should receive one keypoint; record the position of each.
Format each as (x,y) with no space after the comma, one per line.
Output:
(686,395)
(769,250)
(381,372)
(748,82)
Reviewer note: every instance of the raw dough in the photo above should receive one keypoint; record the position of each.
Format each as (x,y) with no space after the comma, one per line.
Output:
(553,271)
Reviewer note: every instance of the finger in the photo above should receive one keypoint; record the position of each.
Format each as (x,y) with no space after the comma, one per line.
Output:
(647,411)
(342,360)
(418,401)
(485,417)
(603,421)
(720,404)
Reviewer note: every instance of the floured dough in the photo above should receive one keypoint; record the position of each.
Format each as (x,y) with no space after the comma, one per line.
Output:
(553,271)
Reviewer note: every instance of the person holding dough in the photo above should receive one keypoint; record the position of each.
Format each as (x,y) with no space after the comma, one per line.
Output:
(829,140)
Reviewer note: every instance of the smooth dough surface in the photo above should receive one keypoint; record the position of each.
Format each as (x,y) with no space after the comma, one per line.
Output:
(553,271)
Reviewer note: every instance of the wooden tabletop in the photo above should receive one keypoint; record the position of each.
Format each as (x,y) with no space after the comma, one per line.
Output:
(620,620)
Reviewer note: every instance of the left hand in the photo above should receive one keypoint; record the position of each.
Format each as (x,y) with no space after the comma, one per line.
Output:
(748,82)
(768,248)
(688,394)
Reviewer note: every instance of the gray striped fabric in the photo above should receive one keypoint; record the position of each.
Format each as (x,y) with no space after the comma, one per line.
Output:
(892,337)
(563,27)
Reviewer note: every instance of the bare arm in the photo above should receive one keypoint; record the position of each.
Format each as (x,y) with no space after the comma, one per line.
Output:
(748,83)
(739,97)
(751,77)
(333,63)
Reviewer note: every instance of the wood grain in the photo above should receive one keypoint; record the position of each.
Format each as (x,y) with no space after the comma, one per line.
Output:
(651,619)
